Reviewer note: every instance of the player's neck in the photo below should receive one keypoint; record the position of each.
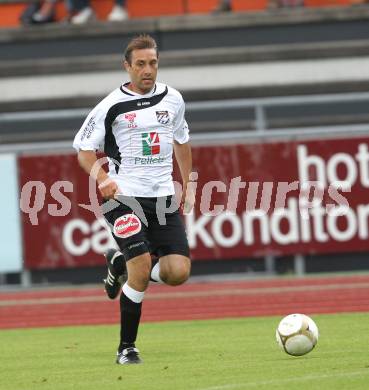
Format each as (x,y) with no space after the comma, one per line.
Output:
(132,87)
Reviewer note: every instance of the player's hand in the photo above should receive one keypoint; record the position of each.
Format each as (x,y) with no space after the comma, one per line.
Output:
(187,200)
(108,188)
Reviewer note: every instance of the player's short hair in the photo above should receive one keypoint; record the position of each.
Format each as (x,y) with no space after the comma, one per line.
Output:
(142,41)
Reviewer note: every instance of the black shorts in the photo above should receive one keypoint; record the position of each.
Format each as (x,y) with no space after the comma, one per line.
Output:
(153,225)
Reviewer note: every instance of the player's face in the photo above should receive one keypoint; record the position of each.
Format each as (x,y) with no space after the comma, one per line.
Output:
(142,70)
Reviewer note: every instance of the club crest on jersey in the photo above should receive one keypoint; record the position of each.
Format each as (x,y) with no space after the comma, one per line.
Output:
(150,143)
(163,117)
(127,225)
(130,117)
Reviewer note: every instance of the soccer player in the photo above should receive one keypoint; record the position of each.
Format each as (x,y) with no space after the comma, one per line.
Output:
(139,125)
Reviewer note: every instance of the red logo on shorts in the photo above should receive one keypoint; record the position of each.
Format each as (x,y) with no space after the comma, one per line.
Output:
(127,225)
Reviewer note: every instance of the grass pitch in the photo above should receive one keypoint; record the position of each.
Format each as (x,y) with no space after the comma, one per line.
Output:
(193,355)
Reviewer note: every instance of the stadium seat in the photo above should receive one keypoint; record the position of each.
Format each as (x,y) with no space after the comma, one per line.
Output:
(145,8)
(204,6)
(249,5)
(9,14)
(326,3)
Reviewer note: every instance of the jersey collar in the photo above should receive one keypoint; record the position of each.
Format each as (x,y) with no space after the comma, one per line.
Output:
(127,91)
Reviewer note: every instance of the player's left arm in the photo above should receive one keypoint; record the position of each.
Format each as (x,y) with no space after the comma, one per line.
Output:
(183,157)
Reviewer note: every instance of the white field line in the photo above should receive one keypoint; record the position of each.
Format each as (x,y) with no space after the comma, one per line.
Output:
(274,382)
(191,294)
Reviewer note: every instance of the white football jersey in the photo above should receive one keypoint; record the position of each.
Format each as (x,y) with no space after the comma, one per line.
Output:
(136,132)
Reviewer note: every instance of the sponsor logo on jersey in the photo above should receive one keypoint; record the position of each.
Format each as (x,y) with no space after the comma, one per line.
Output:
(127,225)
(89,128)
(144,103)
(150,143)
(130,117)
(163,117)
(148,160)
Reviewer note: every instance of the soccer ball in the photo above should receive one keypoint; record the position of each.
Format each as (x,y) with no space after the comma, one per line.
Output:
(297,334)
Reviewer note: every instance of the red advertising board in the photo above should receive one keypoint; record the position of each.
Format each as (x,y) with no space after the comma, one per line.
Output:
(57,236)
(267,198)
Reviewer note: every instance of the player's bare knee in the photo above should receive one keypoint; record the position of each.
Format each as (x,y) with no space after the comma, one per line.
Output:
(139,281)
(179,279)
(178,273)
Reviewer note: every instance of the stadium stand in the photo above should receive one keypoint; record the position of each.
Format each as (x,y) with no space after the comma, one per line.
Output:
(11,9)
(45,62)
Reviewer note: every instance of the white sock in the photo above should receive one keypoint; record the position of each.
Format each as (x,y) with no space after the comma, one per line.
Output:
(134,295)
(155,272)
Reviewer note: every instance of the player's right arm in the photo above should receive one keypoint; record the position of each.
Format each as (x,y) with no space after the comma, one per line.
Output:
(89,162)
(88,140)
